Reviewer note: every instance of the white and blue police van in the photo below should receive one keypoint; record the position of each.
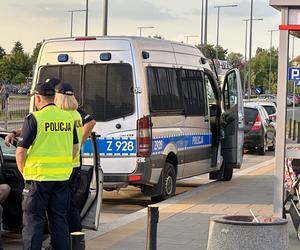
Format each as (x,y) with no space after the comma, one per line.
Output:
(161,114)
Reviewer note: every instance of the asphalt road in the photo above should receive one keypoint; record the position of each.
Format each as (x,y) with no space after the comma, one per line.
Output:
(117,204)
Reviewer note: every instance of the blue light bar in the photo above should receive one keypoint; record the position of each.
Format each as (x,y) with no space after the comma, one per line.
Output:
(105,56)
(63,58)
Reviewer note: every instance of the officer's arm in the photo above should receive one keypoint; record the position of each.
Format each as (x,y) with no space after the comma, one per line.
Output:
(9,139)
(88,124)
(75,142)
(87,129)
(20,158)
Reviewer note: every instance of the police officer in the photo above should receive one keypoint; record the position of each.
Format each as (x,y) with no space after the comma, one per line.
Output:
(65,100)
(87,120)
(46,148)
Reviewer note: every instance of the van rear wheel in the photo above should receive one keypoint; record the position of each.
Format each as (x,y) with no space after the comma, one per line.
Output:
(168,184)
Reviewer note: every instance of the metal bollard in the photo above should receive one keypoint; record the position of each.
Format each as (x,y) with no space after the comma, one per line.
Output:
(294,130)
(298,137)
(152,220)
(290,129)
(77,241)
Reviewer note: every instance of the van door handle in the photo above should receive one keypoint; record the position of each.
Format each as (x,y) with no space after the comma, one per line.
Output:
(206,119)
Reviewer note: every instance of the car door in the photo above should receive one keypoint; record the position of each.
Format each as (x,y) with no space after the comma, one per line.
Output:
(89,195)
(88,198)
(232,119)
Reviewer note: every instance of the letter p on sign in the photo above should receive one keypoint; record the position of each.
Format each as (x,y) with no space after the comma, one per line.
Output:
(294,74)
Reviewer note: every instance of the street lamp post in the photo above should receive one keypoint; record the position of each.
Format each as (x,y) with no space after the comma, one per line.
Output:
(218,24)
(250,50)
(205,22)
(246,42)
(270,69)
(144,27)
(188,36)
(72,18)
(202,21)
(86,17)
(105,17)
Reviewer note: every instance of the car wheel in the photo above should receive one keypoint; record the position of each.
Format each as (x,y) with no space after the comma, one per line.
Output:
(262,150)
(272,148)
(168,184)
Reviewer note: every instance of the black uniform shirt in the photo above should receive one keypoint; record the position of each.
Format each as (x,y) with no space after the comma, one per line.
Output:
(29,131)
(84,116)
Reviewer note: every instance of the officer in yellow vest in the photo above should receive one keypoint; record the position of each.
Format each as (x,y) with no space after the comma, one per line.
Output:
(46,148)
(65,100)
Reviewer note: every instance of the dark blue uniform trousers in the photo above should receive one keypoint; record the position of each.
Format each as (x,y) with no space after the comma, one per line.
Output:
(74,219)
(39,198)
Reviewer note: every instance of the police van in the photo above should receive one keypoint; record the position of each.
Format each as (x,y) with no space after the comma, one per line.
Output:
(160,111)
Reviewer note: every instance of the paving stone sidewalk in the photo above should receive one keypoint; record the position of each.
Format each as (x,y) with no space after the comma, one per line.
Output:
(184,225)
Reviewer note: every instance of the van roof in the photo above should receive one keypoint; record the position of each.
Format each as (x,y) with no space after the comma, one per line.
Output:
(141,42)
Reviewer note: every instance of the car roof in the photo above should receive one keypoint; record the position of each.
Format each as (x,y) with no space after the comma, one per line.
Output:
(260,102)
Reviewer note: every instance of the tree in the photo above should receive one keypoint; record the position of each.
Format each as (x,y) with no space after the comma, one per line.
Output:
(209,51)
(35,53)
(2,52)
(235,59)
(18,48)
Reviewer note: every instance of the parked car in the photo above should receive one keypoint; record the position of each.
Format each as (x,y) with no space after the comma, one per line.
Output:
(11,89)
(272,98)
(289,101)
(260,132)
(269,106)
(24,91)
(88,197)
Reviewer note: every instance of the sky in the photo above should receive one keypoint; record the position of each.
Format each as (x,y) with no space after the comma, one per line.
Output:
(32,21)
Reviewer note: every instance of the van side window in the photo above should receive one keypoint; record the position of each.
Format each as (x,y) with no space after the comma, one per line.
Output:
(193,92)
(66,73)
(163,89)
(230,91)
(210,92)
(108,91)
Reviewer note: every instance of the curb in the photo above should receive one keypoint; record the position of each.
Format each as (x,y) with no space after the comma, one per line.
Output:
(105,228)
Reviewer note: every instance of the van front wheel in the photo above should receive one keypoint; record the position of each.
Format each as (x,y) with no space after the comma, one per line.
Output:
(168,184)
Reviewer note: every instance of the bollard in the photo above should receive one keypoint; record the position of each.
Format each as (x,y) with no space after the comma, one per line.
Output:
(77,241)
(298,137)
(6,112)
(152,220)
(290,129)
(294,130)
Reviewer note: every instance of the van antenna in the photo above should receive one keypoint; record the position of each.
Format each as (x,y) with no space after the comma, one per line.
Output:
(214,65)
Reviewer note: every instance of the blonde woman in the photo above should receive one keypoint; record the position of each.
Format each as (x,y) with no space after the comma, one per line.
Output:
(65,99)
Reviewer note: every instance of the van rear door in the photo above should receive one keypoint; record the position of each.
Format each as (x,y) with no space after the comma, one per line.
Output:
(233,119)
(108,95)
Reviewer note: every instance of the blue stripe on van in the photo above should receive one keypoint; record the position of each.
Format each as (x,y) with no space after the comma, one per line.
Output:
(181,142)
(127,146)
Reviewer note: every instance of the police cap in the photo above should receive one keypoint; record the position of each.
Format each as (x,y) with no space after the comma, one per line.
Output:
(53,81)
(44,89)
(64,88)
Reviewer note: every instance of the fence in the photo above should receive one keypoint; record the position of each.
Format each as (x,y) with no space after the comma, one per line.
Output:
(13,110)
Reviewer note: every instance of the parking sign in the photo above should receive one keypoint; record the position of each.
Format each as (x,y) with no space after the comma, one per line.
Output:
(294,74)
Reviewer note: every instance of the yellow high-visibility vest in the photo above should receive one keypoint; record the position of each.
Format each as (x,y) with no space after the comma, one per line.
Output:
(79,129)
(50,156)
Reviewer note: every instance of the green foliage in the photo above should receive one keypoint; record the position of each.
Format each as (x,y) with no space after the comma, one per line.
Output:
(18,48)
(210,51)
(235,59)
(2,52)
(15,67)
(36,52)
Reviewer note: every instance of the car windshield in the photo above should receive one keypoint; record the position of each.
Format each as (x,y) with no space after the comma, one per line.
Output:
(270,109)
(250,115)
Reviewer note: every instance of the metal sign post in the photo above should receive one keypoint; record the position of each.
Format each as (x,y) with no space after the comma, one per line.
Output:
(288,9)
